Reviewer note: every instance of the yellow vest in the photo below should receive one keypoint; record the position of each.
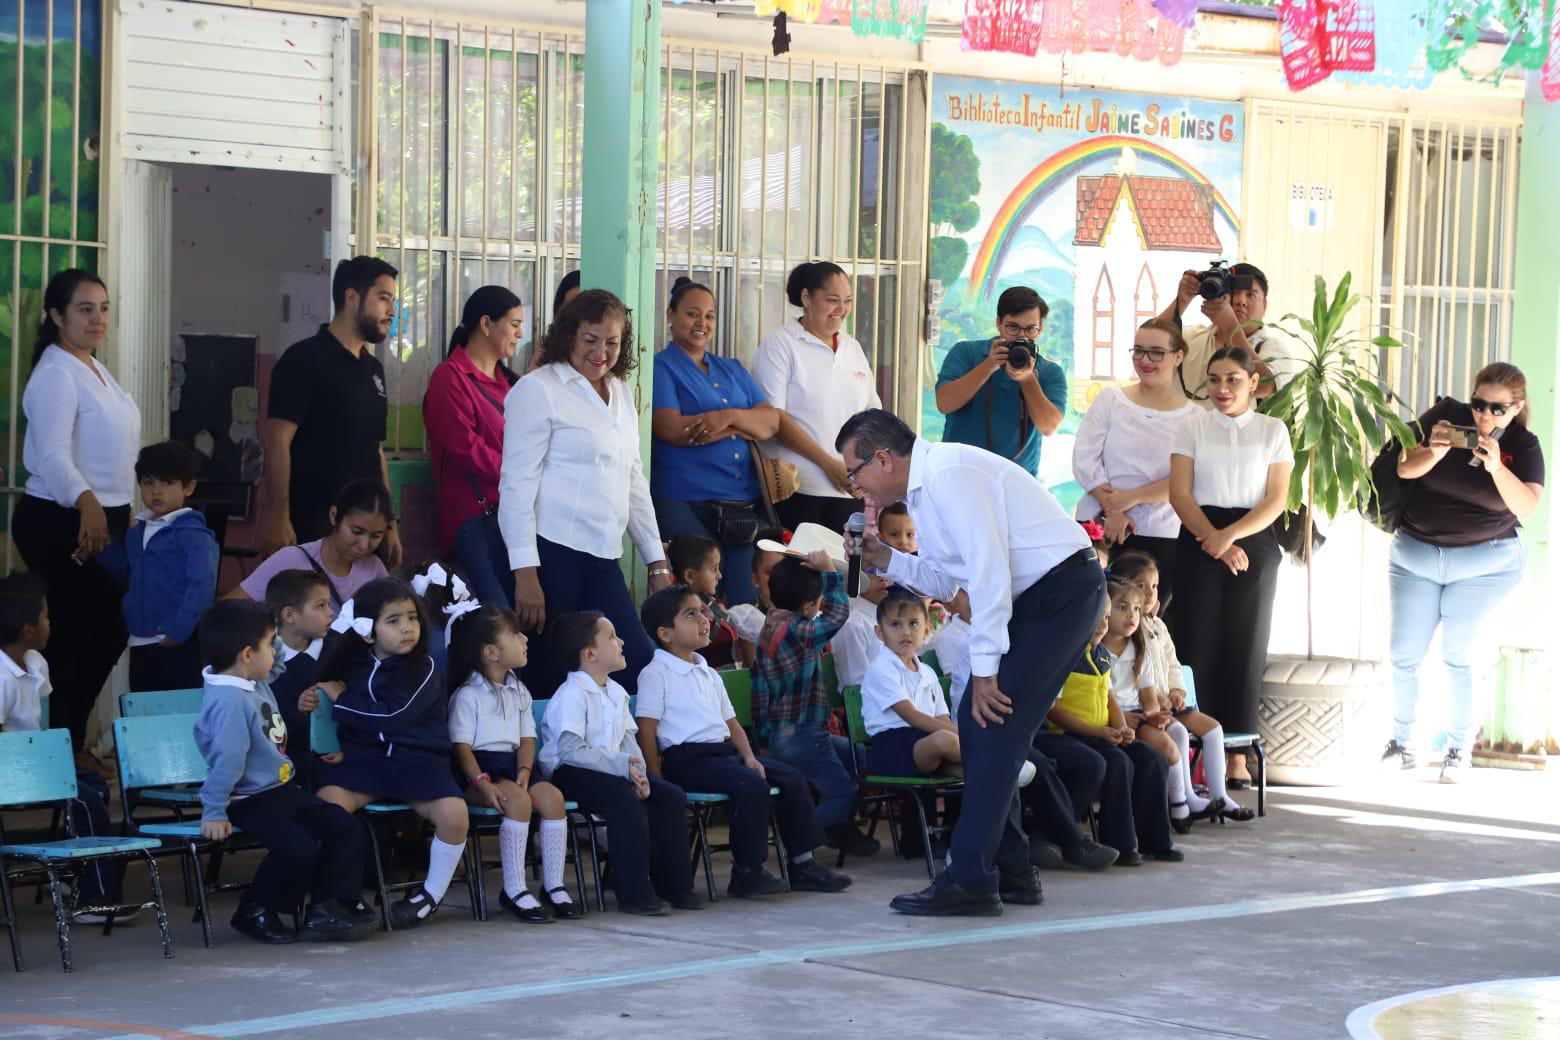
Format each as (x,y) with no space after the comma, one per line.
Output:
(1087,694)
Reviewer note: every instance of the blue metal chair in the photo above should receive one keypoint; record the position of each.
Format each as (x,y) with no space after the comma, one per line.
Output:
(156,752)
(161,702)
(1232,742)
(39,767)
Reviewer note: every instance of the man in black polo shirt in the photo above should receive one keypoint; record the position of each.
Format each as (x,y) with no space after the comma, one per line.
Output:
(328,409)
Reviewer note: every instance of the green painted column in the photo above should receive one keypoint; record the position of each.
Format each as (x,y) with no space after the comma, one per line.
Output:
(1535,348)
(621,166)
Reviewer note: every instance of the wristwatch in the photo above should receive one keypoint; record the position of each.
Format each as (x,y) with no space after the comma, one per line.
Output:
(659,569)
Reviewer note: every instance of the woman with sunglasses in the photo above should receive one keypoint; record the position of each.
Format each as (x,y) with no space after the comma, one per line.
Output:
(1122,453)
(1457,554)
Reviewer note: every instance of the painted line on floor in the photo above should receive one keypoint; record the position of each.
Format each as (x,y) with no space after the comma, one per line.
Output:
(399,1007)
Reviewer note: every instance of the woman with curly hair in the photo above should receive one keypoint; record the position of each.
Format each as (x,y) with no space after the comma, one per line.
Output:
(571,483)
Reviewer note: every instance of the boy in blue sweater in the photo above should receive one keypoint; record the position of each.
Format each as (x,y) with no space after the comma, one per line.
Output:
(313,847)
(168,559)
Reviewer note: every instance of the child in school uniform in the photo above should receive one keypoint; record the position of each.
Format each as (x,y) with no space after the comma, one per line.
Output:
(747,619)
(301,602)
(695,562)
(857,644)
(24,682)
(493,733)
(392,719)
(689,734)
(312,847)
(902,702)
(589,751)
(168,563)
(443,590)
(1086,723)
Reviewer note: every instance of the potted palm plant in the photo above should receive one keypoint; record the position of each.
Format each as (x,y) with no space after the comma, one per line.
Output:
(1339,418)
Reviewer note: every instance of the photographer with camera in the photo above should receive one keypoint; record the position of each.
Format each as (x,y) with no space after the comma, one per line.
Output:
(1457,554)
(1234,300)
(1009,414)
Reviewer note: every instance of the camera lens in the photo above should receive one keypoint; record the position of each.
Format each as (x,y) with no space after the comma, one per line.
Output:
(1020,354)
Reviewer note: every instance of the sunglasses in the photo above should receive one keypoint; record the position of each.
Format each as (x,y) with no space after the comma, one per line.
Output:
(1153,354)
(1479,404)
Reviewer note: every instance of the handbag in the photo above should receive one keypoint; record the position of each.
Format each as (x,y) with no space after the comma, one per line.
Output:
(1289,529)
(1384,504)
(735,522)
(778,480)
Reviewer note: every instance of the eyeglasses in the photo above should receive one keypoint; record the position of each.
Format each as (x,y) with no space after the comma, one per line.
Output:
(1479,404)
(1154,354)
(1013,329)
(850,474)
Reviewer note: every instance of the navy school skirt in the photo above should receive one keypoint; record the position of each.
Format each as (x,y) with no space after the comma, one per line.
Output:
(405,776)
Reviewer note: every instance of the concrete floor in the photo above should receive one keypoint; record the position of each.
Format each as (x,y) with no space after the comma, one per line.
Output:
(1278,928)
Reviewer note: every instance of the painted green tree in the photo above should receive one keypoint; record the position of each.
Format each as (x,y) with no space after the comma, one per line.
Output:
(955,177)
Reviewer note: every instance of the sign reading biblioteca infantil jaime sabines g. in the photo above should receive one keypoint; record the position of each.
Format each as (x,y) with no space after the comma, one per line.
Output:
(1095,199)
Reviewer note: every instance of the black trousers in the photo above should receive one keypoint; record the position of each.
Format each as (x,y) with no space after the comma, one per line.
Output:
(1134,796)
(1222,622)
(101,881)
(85,614)
(718,769)
(1051,622)
(1052,796)
(312,847)
(649,838)
(831,512)
(1163,550)
(154,668)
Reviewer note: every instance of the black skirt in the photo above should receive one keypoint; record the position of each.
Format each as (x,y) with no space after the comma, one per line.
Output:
(405,776)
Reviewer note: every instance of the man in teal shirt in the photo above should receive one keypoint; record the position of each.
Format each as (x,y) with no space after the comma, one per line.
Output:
(1008,413)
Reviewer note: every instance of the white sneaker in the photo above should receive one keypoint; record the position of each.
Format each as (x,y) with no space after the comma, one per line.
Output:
(1026,774)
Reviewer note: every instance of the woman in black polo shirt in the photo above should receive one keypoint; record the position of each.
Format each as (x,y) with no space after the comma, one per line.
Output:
(1458,555)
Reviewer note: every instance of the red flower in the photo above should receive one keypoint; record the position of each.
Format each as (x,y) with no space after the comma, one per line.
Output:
(1095,531)
(785,537)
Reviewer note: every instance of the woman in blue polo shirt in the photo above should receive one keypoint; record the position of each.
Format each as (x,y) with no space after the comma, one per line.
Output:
(707,410)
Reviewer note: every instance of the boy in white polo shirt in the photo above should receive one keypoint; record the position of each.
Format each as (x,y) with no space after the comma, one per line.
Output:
(689,734)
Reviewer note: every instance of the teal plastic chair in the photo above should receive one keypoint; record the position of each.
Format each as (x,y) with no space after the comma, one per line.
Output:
(1232,741)
(156,753)
(324,740)
(39,767)
(161,702)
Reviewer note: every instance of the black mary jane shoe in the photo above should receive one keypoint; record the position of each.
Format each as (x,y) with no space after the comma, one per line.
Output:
(946,898)
(1209,812)
(538,914)
(1182,824)
(565,909)
(1240,814)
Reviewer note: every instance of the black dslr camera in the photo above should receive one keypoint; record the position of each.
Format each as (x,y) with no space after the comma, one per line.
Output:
(1021,353)
(1217,281)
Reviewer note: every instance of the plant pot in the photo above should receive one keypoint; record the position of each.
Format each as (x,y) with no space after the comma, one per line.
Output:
(1323,720)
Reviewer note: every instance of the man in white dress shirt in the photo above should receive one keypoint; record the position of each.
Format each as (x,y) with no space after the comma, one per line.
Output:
(1036,592)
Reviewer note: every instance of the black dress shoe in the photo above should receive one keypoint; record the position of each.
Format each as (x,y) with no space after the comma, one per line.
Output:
(689,900)
(1090,855)
(652,907)
(853,842)
(331,922)
(1168,855)
(1046,856)
(565,909)
(945,898)
(412,911)
(753,882)
(538,914)
(813,876)
(1022,888)
(262,925)
(1130,858)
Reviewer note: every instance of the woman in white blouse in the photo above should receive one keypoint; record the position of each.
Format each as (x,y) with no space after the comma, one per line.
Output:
(1229,479)
(83,431)
(818,376)
(571,483)
(1122,453)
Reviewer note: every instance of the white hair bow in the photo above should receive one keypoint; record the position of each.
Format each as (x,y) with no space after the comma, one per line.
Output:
(347,621)
(455,610)
(436,575)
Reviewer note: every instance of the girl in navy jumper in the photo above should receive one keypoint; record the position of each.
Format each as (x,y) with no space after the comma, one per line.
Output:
(392,720)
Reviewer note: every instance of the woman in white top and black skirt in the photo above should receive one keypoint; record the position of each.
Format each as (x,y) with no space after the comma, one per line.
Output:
(1229,480)
(83,431)
(1122,453)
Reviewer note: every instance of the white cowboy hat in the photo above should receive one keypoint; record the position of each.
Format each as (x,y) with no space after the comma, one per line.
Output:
(807,539)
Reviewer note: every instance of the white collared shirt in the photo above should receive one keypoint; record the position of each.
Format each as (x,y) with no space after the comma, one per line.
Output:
(888,682)
(986,525)
(598,715)
(571,471)
(1230,456)
(83,432)
(22,689)
(687,698)
(151,523)
(819,388)
(855,645)
(1124,686)
(951,644)
(1127,446)
(491,718)
(211,678)
(312,650)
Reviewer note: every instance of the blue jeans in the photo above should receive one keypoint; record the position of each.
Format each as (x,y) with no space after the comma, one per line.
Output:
(1457,589)
(479,552)
(573,580)
(820,756)
(736,561)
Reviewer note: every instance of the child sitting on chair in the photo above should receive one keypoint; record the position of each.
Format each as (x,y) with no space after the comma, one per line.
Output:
(902,702)
(589,752)
(24,682)
(311,846)
(695,562)
(688,732)
(301,601)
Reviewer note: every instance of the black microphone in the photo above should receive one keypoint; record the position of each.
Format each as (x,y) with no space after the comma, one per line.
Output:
(856,529)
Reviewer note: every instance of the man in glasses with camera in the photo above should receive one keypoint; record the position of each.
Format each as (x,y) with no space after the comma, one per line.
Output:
(1000,394)
(1234,300)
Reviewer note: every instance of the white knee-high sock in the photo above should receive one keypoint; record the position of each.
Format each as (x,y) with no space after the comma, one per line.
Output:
(512,835)
(1183,744)
(555,844)
(1214,765)
(443,858)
